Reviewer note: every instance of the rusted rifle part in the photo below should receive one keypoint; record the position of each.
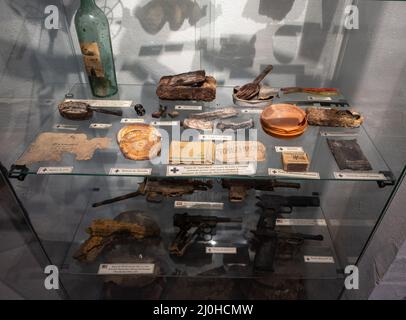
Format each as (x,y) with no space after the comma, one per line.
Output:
(193,78)
(315,91)
(156,190)
(248,124)
(127,226)
(217,114)
(238,188)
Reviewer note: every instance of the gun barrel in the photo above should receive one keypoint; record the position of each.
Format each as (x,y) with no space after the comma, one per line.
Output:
(317,237)
(283,184)
(184,219)
(304,201)
(116,199)
(288,235)
(224,219)
(269,201)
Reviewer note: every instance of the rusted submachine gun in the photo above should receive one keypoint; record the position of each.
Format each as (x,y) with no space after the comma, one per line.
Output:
(156,189)
(238,187)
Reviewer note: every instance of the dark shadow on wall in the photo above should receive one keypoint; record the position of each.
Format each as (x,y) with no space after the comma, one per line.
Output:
(145,71)
(291,41)
(263,11)
(315,34)
(148,20)
(38,58)
(275,9)
(35,71)
(156,13)
(236,54)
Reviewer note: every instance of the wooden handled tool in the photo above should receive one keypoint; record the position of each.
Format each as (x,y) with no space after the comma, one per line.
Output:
(249,90)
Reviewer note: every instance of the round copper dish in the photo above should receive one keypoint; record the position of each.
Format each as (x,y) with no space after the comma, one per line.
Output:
(139,141)
(284,120)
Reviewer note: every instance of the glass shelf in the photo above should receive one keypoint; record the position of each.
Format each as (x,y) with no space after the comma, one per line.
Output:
(195,262)
(312,141)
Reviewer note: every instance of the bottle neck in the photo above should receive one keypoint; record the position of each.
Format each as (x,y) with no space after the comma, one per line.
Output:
(87,4)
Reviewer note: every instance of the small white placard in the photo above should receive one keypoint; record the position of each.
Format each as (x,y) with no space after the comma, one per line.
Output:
(300,175)
(311,98)
(165,123)
(199,205)
(319,259)
(100,125)
(54,170)
(105,103)
(126,268)
(224,250)
(215,137)
(131,172)
(338,134)
(322,108)
(213,170)
(185,107)
(301,222)
(65,127)
(288,149)
(132,120)
(359,176)
(252,111)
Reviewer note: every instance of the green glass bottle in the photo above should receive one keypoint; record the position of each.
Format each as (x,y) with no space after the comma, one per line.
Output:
(92,28)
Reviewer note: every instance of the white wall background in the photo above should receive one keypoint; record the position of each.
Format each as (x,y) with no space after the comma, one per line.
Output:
(230,39)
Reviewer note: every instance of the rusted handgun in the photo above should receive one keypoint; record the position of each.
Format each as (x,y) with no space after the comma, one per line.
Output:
(156,189)
(238,187)
(267,240)
(192,228)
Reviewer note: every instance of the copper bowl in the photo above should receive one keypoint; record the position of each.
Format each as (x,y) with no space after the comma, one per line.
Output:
(283,120)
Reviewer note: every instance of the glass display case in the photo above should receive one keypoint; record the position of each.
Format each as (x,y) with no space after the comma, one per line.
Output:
(198,226)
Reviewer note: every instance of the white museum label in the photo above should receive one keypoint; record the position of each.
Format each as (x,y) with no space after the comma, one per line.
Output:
(359,176)
(186,107)
(251,111)
(301,222)
(126,268)
(65,127)
(311,98)
(54,170)
(105,103)
(224,250)
(100,125)
(131,171)
(319,259)
(300,175)
(338,134)
(199,205)
(212,170)
(288,149)
(215,137)
(132,120)
(165,123)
